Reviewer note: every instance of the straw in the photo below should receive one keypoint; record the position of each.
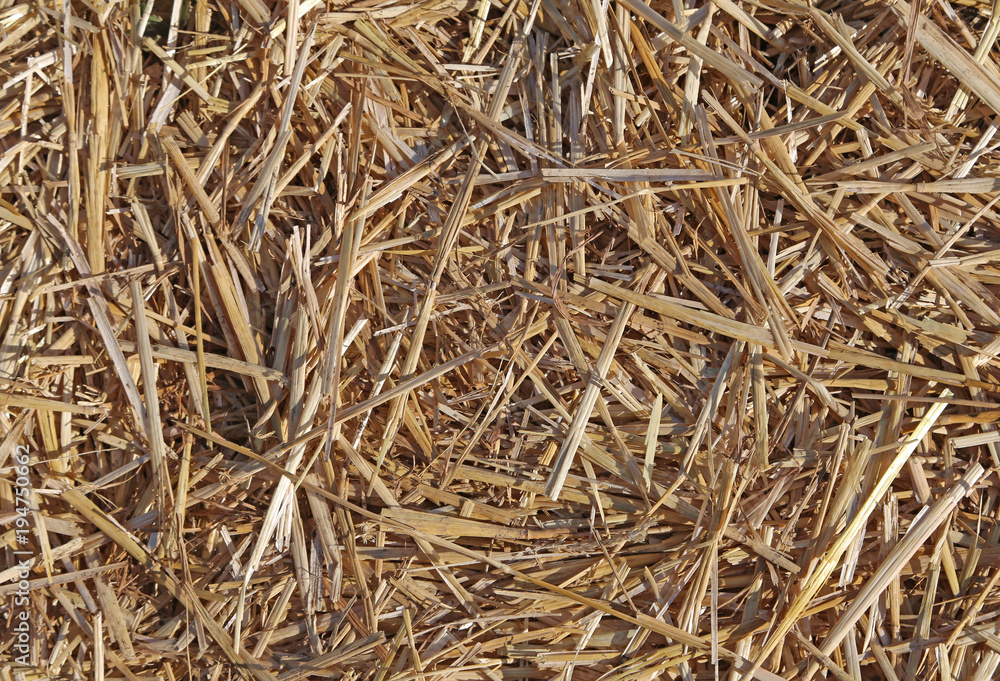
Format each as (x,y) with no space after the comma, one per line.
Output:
(571,340)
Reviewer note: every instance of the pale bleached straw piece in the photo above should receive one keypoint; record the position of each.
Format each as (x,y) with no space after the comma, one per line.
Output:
(710,408)
(960,99)
(350,243)
(710,57)
(264,188)
(181,164)
(154,428)
(651,439)
(164,352)
(828,562)
(971,73)
(577,428)
(927,522)
(99,308)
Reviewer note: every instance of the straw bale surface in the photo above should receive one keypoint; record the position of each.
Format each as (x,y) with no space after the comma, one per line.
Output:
(456,339)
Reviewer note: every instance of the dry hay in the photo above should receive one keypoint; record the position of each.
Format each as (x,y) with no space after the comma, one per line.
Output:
(560,340)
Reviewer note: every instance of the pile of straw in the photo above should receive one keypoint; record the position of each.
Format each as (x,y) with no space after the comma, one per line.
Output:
(455,339)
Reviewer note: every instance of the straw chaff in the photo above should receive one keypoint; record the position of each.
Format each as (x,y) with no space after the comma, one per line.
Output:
(555,339)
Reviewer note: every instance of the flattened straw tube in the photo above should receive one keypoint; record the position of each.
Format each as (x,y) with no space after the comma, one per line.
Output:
(831,558)
(927,522)
(567,452)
